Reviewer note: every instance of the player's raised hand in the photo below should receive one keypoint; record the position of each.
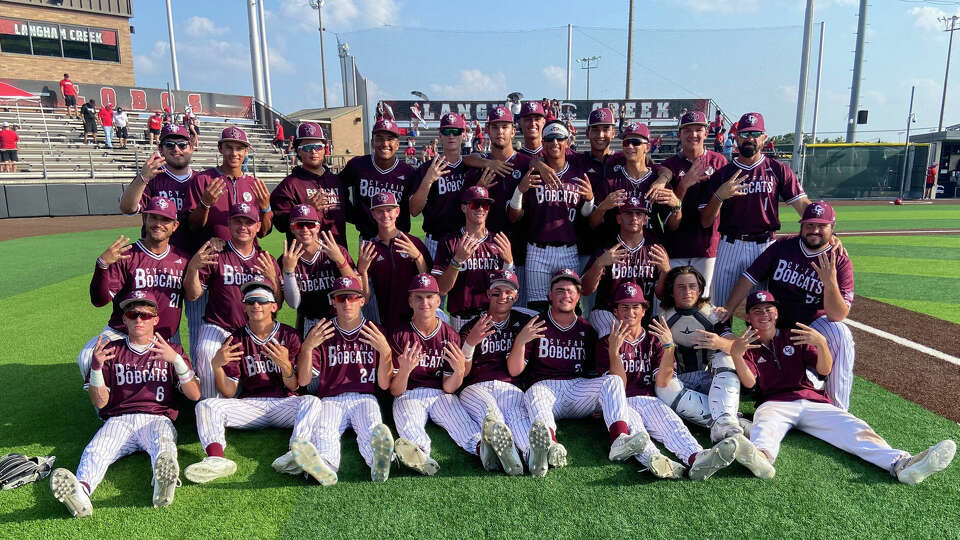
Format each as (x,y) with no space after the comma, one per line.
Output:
(481,330)
(615,255)
(101,354)
(733,187)
(723,314)
(438,168)
(322,201)
(411,356)
(262,194)
(547,173)
(838,245)
(330,247)
(153,166)
(488,178)
(805,335)
(227,353)
(320,332)
(499,168)
(466,247)
(279,354)
(213,192)
(826,267)
(265,265)
(368,252)
(584,187)
(661,181)
(502,241)
(117,251)
(205,256)
(372,336)
(614,199)
(659,257)
(534,329)
(703,339)
(665,196)
(407,246)
(454,356)
(619,331)
(161,350)
(695,174)
(218,244)
(661,329)
(531,179)
(744,342)
(291,254)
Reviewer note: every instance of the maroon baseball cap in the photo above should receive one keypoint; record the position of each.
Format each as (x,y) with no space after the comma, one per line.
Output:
(751,121)
(452,120)
(693,118)
(304,212)
(600,117)
(423,283)
(235,134)
(634,130)
(137,296)
(634,204)
(500,114)
(386,126)
(309,130)
(161,206)
(760,297)
(629,292)
(346,284)
(530,108)
(504,277)
(565,273)
(246,210)
(384,198)
(475,193)
(818,212)
(174,130)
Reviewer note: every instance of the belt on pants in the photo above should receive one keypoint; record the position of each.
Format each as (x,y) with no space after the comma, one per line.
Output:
(544,245)
(759,238)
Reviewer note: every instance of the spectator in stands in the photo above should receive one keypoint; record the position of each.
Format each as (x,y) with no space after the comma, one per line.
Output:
(411,142)
(728,147)
(167,116)
(89,113)
(278,138)
(931,181)
(430,151)
(477,135)
(466,146)
(69,91)
(291,154)
(769,148)
(120,122)
(621,113)
(411,154)
(105,116)
(718,139)
(154,123)
(193,128)
(514,105)
(8,148)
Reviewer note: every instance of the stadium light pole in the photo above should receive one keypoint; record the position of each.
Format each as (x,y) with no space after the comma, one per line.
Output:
(318,5)
(857,69)
(906,144)
(265,54)
(255,62)
(588,64)
(946,72)
(569,56)
(816,96)
(802,86)
(629,49)
(173,49)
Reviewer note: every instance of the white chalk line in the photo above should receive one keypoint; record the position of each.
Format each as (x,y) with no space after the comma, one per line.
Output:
(894,233)
(905,342)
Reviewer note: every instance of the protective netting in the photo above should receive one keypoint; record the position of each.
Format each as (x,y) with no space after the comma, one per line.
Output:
(863,171)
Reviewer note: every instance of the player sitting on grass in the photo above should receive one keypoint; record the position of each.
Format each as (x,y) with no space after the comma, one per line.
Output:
(350,359)
(253,371)
(131,381)
(787,371)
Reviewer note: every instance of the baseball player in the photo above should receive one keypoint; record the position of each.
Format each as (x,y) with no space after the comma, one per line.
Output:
(437,185)
(429,368)
(381,171)
(629,258)
(551,212)
(745,198)
(351,358)
(221,275)
(390,258)
(786,372)
(556,353)
(131,382)
(491,394)
(644,360)
(465,259)
(150,264)
(532,120)
(312,183)
(813,279)
(311,262)
(254,372)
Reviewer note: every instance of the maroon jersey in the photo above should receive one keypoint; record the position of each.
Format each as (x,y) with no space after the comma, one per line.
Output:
(616,177)
(298,188)
(223,280)
(238,190)
(502,190)
(255,374)
(442,215)
(346,364)
(787,267)
(390,272)
(757,212)
(138,384)
(690,239)
(160,274)
(552,212)
(490,356)
(534,153)
(638,268)
(315,277)
(641,361)
(562,352)
(786,371)
(176,188)
(365,179)
(469,292)
(429,373)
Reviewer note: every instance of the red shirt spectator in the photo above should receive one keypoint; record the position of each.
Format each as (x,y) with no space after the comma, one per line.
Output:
(931,174)
(768,146)
(410,152)
(155,121)
(8,139)
(67,88)
(106,116)
(278,136)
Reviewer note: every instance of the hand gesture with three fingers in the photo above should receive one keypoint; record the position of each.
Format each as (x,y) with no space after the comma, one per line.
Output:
(320,332)
(262,194)
(826,267)
(279,354)
(615,255)
(213,191)
(265,265)
(487,179)
(733,187)
(744,342)
(101,354)
(619,332)
(117,251)
(205,256)
(659,257)
(659,328)
(454,356)
(584,187)
(291,254)
(466,247)
(531,179)
(613,199)
(229,352)
(804,335)
(437,169)
(411,356)
(330,247)
(372,336)
(407,246)
(481,330)
(534,329)
(503,244)
(161,349)
(368,252)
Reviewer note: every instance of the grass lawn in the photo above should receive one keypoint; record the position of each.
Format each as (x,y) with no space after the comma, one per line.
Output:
(883,217)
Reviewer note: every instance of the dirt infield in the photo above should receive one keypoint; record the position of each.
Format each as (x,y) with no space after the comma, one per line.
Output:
(22,227)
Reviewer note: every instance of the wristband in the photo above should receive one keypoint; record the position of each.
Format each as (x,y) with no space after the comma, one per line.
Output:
(180,366)
(516,202)
(96,378)
(265,210)
(102,264)
(587,208)
(509,266)
(670,345)
(204,203)
(467,351)
(718,197)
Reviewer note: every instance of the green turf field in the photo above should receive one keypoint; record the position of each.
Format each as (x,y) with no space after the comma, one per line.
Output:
(817,491)
(884,217)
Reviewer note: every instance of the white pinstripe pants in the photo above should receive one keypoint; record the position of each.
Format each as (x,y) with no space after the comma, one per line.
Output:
(505,402)
(600,320)
(323,421)
(121,436)
(556,399)
(431,244)
(732,260)
(659,420)
(414,407)
(210,340)
(215,415)
(843,350)
(542,263)
(704,265)
(194,311)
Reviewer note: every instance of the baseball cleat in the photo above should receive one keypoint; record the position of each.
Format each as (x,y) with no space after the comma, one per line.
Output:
(211,468)
(68,490)
(726,426)
(745,424)
(488,457)
(626,446)
(307,457)
(557,455)
(914,469)
(166,478)
(538,461)
(750,457)
(663,467)
(502,442)
(284,464)
(710,461)
(382,442)
(413,457)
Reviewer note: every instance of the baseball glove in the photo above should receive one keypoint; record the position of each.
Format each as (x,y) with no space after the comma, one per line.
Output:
(17,469)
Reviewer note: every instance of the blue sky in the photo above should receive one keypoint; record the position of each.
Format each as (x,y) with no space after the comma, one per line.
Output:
(744,54)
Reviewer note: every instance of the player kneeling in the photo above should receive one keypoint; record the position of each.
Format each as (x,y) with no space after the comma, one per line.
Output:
(131,382)
(253,370)
(787,372)
(350,358)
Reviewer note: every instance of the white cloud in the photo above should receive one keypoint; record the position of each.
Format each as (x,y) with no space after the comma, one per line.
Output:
(279,63)
(874,97)
(725,6)
(556,75)
(472,84)
(202,27)
(152,63)
(341,14)
(925,18)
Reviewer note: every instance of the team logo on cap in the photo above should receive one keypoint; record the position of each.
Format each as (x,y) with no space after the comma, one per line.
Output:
(424,281)
(498,112)
(567,272)
(751,119)
(634,201)
(163,204)
(817,210)
(139,294)
(761,296)
(631,290)
(451,118)
(244,207)
(388,124)
(303,210)
(788,350)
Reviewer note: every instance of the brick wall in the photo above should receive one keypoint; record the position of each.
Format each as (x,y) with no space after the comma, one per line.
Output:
(39,68)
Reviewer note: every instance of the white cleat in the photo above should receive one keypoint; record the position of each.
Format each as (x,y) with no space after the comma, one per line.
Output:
(915,469)
(502,441)
(538,461)
(211,468)
(284,464)
(557,455)
(68,490)
(488,456)
(382,442)
(410,455)
(712,460)
(750,457)
(626,446)
(166,478)
(307,457)
(663,467)
(726,426)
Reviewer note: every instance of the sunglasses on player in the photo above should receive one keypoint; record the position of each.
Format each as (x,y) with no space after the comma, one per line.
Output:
(169,145)
(312,147)
(557,140)
(479,205)
(749,134)
(260,301)
(306,225)
(634,142)
(498,294)
(451,132)
(343,298)
(142,315)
